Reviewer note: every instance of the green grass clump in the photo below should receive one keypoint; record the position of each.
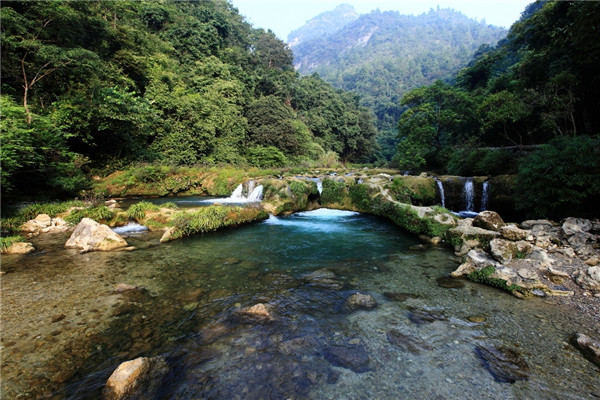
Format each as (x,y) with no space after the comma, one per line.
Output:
(213,218)
(299,189)
(7,241)
(100,214)
(170,205)
(138,211)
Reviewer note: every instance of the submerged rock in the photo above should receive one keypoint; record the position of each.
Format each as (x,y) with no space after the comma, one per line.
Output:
(325,279)
(136,379)
(359,300)
(421,316)
(406,342)
(257,313)
(449,282)
(353,357)
(89,235)
(504,364)
(398,296)
(588,347)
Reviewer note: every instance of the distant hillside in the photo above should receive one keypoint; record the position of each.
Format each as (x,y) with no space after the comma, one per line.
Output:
(382,55)
(323,24)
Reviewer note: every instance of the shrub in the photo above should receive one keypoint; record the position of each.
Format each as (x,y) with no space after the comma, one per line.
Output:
(170,204)
(333,192)
(299,189)
(561,179)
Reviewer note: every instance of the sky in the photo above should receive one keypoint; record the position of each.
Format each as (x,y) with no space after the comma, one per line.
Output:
(284,16)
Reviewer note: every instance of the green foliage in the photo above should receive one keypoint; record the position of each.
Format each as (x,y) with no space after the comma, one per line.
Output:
(138,211)
(7,241)
(483,276)
(361,197)
(170,205)
(100,214)
(404,52)
(333,192)
(467,162)
(265,157)
(562,178)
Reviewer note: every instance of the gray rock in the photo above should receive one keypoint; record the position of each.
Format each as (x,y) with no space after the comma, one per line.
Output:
(504,251)
(571,226)
(512,232)
(422,316)
(257,313)
(588,278)
(579,239)
(504,364)
(136,379)
(89,235)
(489,220)
(531,223)
(476,260)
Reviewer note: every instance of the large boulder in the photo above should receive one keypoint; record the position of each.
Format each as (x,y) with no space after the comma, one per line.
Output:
(89,235)
(360,301)
(136,379)
(489,220)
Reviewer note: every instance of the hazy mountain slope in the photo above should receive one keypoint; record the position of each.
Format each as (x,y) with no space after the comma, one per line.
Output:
(323,24)
(382,55)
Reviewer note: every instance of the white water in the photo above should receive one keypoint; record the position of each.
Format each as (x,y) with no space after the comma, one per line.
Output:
(254,196)
(130,228)
(442,195)
(468,194)
(485,195)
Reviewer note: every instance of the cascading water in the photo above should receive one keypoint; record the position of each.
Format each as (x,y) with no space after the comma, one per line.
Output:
(237,193)
(485,195)
(256,194)
(442,195)
(468,195)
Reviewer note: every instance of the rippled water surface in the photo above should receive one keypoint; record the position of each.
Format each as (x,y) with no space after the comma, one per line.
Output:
(65,328)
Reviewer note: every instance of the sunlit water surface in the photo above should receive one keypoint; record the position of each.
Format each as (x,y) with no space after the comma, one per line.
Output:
(65,329)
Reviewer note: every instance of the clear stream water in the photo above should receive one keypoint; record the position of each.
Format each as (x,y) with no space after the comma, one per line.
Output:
(65,329)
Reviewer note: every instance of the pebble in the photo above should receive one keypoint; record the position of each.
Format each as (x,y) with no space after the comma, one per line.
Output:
(476,319)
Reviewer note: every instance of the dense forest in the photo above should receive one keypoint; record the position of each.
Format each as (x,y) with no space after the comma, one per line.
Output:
(91,86)
(382,55)
(528,106)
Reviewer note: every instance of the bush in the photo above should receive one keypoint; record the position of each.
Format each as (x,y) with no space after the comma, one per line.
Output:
(333,192)
(561,179)
(299,189)
(266,157)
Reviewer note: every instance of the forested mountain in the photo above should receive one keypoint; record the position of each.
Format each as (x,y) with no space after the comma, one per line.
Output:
(382,55)
(86,84)
(323,24)
(537,89)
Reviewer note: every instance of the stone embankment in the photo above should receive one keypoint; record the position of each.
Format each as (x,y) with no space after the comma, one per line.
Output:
(538,257)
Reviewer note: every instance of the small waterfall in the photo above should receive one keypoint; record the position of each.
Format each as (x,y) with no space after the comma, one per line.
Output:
(468,195)
(237,193)
(320,186)
(442,195)
(256,194)
(485,195)
(250,188)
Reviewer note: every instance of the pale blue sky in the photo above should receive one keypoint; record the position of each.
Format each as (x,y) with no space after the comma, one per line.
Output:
(284,16)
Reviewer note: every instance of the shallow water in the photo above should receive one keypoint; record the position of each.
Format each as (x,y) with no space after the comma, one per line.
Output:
(65,329)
